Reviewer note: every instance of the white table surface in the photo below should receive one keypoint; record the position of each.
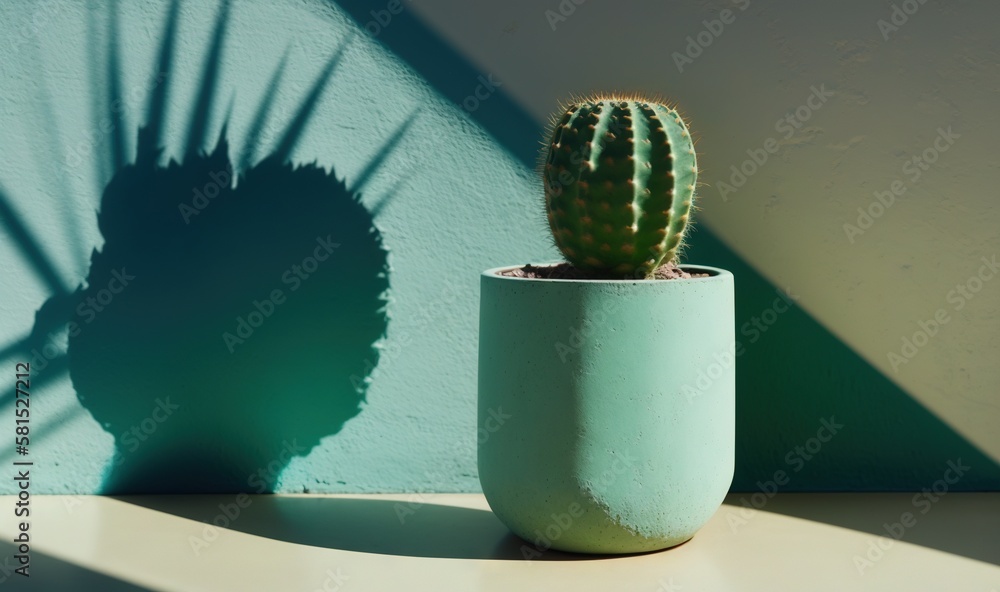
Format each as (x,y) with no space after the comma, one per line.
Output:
(444,542)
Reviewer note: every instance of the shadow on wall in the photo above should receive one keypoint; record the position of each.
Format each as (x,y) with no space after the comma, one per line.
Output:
(227,324)
(793,374)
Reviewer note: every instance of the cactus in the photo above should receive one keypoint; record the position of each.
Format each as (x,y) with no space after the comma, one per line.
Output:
(619,178)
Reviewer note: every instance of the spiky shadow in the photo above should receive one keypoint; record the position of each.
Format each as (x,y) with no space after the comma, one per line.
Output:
(230,319)
(230,349)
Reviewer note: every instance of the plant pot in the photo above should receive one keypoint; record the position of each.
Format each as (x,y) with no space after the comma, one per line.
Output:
(606,408)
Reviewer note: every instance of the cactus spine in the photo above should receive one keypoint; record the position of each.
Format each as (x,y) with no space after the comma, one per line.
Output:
(619,178)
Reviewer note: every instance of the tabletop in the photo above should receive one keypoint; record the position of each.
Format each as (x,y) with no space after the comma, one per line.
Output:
(443,542)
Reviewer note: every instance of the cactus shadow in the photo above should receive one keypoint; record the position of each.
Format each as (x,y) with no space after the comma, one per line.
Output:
(228,323)
(217,348)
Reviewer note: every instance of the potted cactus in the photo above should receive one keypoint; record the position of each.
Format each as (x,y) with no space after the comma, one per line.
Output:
(613,444)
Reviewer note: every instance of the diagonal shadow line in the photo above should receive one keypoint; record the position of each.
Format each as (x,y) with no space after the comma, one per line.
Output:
(149,139)
(780,364)
(385,200)
(49,572)
(115,103)
(383,153)
(47,429)
(261,116)
(402,180)
(198,127)
(25,242)
(305,111)
(55,312)
(55,368)
(923,438)
(14,347)
(452,77)
(441,65)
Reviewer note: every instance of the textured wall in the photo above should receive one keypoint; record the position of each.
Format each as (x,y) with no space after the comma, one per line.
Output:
(825,107)
(446,175)
(448,204)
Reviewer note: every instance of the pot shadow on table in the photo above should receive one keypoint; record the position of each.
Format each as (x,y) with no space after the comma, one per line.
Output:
(385,527)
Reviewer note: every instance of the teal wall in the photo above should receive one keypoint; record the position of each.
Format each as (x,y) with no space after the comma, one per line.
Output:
(416,164)
(446,201)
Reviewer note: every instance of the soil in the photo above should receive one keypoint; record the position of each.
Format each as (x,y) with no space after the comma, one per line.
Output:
(565,271)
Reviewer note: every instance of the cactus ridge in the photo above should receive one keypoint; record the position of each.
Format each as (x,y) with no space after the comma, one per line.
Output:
(619,177)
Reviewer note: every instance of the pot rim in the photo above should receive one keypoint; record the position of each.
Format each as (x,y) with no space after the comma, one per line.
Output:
(716,274)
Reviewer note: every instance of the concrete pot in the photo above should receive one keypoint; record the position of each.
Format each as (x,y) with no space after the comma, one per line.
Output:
(606,408)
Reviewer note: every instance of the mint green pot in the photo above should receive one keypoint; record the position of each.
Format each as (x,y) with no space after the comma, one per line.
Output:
(606,408)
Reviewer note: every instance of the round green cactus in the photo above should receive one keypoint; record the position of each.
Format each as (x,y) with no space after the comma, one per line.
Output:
(619,177)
